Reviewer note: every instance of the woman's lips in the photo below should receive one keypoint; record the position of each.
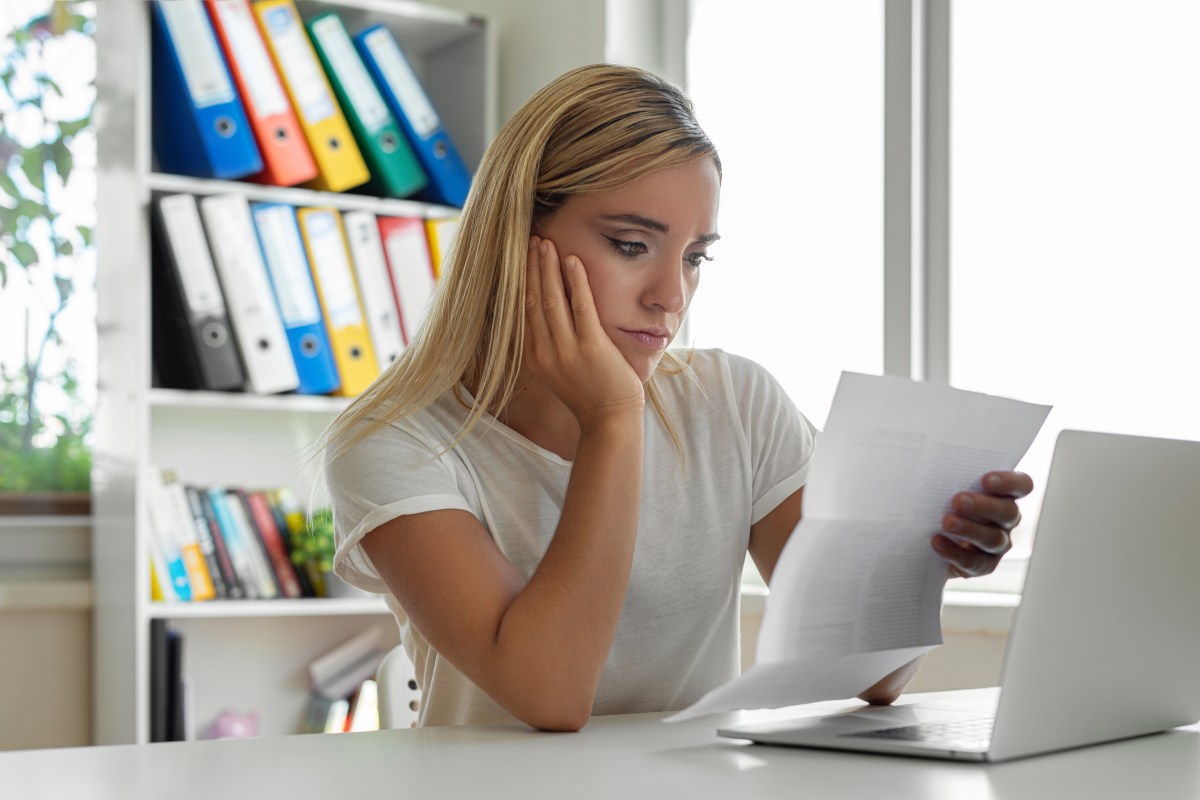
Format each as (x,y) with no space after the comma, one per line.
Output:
(652,339)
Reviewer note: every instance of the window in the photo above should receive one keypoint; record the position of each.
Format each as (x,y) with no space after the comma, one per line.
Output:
(47,261)
(1075,164)
(1074,274)
(794,104)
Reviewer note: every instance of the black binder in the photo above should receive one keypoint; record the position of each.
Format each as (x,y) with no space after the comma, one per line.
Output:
(193,343)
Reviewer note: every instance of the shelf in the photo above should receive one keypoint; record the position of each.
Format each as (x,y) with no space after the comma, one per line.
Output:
(239,401)
(308,607)
(297,196)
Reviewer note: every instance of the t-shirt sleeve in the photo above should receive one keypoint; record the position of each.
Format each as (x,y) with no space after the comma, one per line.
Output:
(781,439)
(392,472)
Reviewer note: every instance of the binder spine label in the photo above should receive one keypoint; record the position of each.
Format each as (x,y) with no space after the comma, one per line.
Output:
(333,269)
(357,81)
(404,83)
(266,94)
(288,265)
(295,54)
(198,51)
(187,241)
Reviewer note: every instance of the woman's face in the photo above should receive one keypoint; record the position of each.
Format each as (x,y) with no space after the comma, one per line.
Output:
(642,245)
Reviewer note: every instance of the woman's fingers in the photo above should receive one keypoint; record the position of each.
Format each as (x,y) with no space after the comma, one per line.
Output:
(583,307)
(554,297)
(536,328)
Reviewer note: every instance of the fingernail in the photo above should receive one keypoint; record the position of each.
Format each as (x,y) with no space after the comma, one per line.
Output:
(964,502)
(994,482)
(545,247)
(955,524)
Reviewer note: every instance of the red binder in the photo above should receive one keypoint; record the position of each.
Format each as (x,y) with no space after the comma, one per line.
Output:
(411,269)
(287,159)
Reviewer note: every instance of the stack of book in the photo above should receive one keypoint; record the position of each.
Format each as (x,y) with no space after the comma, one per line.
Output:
(345,696)
(231,543)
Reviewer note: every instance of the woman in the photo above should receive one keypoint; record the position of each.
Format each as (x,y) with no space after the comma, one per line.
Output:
(555,506)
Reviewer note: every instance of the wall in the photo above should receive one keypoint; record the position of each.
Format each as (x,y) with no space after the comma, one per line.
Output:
(46,630)
(537,41)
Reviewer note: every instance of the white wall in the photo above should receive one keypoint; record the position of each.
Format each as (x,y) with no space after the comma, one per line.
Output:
(538,40)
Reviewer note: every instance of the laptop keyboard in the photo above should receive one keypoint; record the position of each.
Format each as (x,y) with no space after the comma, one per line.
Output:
(958,734)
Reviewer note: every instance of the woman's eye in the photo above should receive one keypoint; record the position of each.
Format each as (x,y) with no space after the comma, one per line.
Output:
(696,259)
(628,249)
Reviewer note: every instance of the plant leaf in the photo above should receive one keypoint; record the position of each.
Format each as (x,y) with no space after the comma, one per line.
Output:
(24,253)
(32,161)
(72,127)
(63,246)
(65,288)
(64,161)
(86,234)
(47,81)
(9,186)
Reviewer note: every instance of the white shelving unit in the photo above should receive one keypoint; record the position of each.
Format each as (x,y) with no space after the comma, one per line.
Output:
(243,656)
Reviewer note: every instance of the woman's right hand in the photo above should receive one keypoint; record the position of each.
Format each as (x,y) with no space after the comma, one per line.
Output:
(565,346)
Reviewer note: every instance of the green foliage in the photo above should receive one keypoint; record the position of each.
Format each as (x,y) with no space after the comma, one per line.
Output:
(39,450)
(63,466)
(313,548)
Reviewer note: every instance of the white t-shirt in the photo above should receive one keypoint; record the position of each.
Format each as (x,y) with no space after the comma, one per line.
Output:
(746,449)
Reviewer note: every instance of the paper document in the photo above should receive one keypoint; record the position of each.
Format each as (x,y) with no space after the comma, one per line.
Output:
(857,591)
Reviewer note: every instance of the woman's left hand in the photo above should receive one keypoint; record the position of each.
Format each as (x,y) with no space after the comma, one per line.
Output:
(976,532)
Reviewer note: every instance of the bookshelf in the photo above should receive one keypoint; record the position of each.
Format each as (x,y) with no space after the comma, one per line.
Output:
(243,656)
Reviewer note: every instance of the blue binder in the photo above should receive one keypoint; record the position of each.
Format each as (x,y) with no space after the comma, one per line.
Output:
(299,308)
(200,126)
(449,179)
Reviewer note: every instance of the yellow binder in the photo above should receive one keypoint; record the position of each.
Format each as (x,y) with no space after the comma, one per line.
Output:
(340,164)
(441,233)
(341,306)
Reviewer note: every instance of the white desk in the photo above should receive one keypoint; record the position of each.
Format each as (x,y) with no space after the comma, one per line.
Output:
(623,757)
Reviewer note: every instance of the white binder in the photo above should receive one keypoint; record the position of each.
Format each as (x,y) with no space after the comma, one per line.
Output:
(375,286)
(257,325)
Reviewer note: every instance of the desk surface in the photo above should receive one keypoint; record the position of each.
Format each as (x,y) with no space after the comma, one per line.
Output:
(621,757)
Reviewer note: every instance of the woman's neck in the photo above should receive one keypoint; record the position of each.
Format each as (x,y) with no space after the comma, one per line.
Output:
(537,414)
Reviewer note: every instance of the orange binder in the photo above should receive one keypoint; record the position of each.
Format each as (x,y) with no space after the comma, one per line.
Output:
(340,165)
(286,157)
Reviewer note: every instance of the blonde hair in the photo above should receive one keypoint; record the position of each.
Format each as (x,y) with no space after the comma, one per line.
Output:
(593,129)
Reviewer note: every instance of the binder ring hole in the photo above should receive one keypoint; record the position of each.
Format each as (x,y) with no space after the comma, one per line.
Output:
(412,684)
(387,143)
(225,126)
(413,705)
(281,134)
(264,344)
(214,334)
(335,144)
(355,352)
(309,345)
(440,150)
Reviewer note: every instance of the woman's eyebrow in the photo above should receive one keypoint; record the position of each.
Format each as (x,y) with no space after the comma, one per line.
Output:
(639,220)
(654,225)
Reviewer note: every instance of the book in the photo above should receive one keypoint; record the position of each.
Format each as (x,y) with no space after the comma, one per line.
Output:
(234,587)
(183,526)
(272,539)
(165,551)
(219,572)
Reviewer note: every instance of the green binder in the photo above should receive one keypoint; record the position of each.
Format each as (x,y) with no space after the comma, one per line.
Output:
(395,170)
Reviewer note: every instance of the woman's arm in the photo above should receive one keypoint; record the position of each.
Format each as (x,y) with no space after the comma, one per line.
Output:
(538,648)
(975,537)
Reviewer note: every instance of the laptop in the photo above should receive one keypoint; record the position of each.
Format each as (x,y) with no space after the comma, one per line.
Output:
(1106,642)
